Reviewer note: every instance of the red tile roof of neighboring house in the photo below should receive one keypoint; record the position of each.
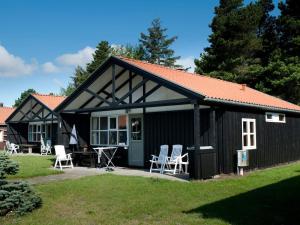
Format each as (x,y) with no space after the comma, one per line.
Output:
(214,89)
(5,112)
(51,101)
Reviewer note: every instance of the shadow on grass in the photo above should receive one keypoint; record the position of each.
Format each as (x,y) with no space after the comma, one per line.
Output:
(275,204)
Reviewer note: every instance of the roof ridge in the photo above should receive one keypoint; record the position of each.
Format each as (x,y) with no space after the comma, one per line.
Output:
(173,69)
(40,94)
(7,107)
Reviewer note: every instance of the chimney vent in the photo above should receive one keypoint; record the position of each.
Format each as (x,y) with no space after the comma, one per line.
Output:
(243,87)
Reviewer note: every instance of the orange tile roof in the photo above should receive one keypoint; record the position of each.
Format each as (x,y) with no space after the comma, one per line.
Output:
(213,89)
(5,112)
(51,101)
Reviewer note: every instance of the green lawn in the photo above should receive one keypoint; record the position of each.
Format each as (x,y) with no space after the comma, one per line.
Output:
(33,166)
(262,197)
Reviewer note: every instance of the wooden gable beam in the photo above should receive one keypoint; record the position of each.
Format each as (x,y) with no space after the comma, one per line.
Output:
(97,96)
(143,98)
(133,90)
(103,88)
(28,111)
(118,89)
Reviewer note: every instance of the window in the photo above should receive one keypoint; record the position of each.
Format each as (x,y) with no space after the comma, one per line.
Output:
(275,117)
(109,130)
(1,135)
(36,130)
(136,129)
(249,133)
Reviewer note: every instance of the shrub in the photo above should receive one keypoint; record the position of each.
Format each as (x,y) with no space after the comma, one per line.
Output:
(15,197)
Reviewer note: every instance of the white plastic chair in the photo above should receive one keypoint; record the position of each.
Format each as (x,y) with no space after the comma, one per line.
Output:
(175,162)
(61,156)
(45,149)
(12,148)
(160,161)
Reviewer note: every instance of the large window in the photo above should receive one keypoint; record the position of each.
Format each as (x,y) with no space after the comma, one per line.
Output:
(109,130)
(36,130)
(249,133)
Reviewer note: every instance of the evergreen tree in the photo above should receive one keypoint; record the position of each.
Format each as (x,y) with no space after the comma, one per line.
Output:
(23,96)
(103,51)
(233,42)
(15,197)
(289,27)
(156,45)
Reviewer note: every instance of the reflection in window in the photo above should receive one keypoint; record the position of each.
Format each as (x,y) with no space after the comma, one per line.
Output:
(136,129)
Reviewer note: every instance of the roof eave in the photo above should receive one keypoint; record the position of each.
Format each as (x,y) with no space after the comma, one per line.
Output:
(262,107)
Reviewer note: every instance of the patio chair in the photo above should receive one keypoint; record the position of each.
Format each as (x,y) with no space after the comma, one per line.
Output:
(175,163)
(160,160)
(61,156)
(45,149)
(11,148)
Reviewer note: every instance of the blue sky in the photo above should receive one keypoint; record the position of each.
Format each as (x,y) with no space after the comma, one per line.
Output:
(41,42)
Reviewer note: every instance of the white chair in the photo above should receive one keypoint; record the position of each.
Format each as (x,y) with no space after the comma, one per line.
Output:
(45,149)
(11,148)
(175,162)
(160,160)
(61,156)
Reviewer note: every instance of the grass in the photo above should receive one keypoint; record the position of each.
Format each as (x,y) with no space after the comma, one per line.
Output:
(33,166)
(264,197)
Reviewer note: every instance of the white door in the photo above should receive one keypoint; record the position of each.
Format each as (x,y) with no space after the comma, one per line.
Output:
(136,141)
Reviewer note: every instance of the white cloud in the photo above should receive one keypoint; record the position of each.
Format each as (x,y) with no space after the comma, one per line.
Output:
(49,67)
(80,58)
(12,66)
(187,62)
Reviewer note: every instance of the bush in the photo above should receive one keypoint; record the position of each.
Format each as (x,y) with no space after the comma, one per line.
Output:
(15,197)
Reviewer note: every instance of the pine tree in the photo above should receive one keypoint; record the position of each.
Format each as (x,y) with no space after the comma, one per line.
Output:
(23,96)
(289,27)
(103,51)
(15,197)
(156,45)
(233,41)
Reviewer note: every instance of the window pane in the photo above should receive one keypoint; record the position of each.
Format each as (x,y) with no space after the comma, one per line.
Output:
(245,127)
(95,137)
(122,122)
(281,117)
(251,127)
(95,123)
(38,128)
(30,136)
(103,123)
(30,128)
(245,140)
(269,116)
(136,129)
(123,137)
(43,128)
(113,137)
(113,123)
(103,137)
(252,140)
(34,128)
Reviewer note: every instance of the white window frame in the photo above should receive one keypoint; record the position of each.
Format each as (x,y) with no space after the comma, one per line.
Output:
(108,130)
(248,133)
(40,125)
(1,135)
(275,117)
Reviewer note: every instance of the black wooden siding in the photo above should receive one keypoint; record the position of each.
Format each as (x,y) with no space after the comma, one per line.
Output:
(18,133)
(276,142)
(82,123)
(174,127)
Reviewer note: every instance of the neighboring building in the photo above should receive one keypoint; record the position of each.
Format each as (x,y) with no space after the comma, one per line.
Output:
(5,112)
(143,106)
(35,117)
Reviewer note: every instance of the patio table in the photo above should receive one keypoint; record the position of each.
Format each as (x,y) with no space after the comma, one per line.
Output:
(104,151)
(29,147)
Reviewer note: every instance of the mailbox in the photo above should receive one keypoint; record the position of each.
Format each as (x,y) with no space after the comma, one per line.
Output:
(242,158)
